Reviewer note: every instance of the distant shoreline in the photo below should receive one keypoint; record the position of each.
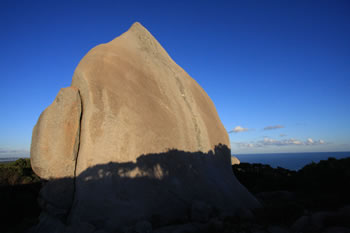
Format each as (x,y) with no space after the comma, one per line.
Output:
(291,161)
(11,159)
(288,153)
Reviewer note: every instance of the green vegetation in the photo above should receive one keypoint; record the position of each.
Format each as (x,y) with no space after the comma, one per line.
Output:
(17,172)
(328,177)
(288,195)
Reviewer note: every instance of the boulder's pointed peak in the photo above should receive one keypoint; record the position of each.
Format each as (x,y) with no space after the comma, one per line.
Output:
(139,30)
(138,34)
(137,26)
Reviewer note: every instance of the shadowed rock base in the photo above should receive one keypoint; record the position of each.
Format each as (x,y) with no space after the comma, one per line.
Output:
(161,189)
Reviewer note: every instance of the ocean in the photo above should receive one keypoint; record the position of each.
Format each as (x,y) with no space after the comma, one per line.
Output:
(9,159)
(291,161)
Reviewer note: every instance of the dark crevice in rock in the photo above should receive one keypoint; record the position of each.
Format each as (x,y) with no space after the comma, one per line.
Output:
(76,158)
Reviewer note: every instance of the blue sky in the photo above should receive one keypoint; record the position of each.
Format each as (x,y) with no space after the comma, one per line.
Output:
(277,71)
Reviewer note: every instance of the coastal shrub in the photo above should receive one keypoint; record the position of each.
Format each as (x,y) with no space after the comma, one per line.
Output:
(323,185)
(262,178)
(19,191)
(17,172)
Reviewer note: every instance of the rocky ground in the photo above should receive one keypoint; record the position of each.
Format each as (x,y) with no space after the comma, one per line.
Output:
(313,199)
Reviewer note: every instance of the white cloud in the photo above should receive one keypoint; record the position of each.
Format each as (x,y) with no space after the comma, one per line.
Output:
(292,141)
(273,142)
(309,141)
(273,127)
(238,129)
(245,145)
(269,141)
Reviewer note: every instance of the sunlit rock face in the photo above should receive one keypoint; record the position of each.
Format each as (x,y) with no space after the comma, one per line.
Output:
(150,141)
(55,137)
(137,100)
(235,160)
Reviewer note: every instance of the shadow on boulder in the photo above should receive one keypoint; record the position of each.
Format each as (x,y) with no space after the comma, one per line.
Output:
(161,188)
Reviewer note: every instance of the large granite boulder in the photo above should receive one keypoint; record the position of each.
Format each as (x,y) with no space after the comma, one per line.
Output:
(150,142)
(55,137)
